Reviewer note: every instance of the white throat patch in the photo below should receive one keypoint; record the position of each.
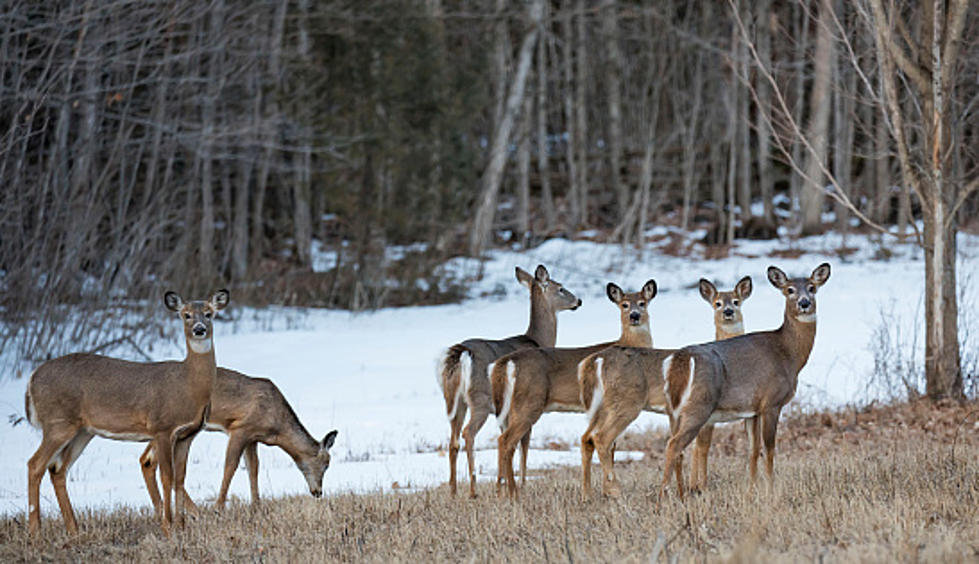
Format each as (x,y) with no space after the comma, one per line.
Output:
(200,346)
(806,318)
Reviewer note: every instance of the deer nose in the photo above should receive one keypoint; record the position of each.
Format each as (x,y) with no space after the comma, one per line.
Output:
(577,305)
(634,316)
(804,303)
(199,330)
(728,312)
(317,493)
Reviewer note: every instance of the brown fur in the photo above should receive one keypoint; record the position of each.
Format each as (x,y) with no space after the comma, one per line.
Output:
(251,411)
(547,297)
(75,397)
(546,379)
(748,377)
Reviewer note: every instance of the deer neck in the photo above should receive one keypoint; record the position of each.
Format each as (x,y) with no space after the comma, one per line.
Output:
(543,320)
(797,338)
(726,331)
(636,336)
(296,441)
(201,366)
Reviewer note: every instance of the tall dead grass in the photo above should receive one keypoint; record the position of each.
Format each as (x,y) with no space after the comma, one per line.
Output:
(879,485)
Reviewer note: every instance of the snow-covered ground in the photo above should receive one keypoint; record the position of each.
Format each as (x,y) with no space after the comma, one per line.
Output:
(371,375)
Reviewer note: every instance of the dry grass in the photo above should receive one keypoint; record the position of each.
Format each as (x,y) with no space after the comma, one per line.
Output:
(898,483)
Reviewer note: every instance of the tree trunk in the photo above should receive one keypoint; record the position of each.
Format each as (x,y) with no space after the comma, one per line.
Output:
(493,175)
(613,73)
(764,18)
(813,195)
(543,154)
(581,113)
(571,130)
(301,188)
(523,174)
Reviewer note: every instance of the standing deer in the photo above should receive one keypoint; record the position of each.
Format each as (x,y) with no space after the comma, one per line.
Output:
(728,322)
(251,411)
(748,377)
(462,372)
(618,383)
(75,397)
(529,382)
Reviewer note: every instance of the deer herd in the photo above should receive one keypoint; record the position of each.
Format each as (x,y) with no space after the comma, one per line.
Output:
(739,376)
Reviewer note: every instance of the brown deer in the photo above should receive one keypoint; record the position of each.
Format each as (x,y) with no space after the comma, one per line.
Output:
(76,397)
(619,382)
(529,382)
(748,377)
(462,368)
(728,322)
(251,411)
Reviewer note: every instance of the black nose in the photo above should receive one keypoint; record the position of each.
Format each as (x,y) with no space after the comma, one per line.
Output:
(728,312)
(805,303)
(635,316)
(317,493)
(200,331)
(577,305)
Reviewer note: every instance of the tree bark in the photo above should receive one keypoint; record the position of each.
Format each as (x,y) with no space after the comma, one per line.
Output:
(492,176)
(613,73)
(543,154)
(813,195)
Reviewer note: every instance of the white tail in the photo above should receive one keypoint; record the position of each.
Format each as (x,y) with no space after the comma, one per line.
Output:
(75,397)
(634,378)
(511,379)
(535,381)
(748,377)
(251,411)
(463,368)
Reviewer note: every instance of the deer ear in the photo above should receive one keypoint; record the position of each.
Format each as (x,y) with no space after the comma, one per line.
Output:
(820,275)
(524,277)
(777,277)
(541,274)
(649,290)
(328,440)
(173,301)
(220,299)
(744,287)
(707,290)
(613,292)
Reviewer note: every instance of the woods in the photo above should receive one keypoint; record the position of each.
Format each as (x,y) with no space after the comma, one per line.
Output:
(288,147)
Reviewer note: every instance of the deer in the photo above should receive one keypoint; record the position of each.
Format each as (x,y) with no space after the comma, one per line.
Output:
(752,376)
(530,382)
(728,322)
(251,411)
(76,397)
(618,383)
(462,374)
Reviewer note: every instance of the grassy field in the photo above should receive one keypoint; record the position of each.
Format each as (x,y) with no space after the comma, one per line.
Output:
(892,483)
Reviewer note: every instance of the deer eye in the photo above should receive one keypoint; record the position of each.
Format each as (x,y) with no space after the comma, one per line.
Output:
(642,304)
(812,289)
(790,290)
(208,315)
(625,305)
(735,302)
(718,304)
(187,316)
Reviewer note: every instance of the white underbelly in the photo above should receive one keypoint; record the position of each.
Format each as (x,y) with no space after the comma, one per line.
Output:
(725,416)
(572,407)
(133,437)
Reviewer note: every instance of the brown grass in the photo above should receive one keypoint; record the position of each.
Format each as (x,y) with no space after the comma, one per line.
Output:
(898,483)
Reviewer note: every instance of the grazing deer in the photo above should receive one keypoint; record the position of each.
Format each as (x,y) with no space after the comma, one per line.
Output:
(251,411)
(619,382)
(748,377)
(462,372)
(728,322)
(76,397)
(529,382)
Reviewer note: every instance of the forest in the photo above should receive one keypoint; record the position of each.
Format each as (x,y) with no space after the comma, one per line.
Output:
(196,144)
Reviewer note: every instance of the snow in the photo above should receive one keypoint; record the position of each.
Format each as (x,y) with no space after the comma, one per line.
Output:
(372,375)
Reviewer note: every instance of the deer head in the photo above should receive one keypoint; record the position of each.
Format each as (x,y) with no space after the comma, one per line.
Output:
(555,295)
(197,317)
(727,305)
(632,306)
(800,293)
(315,466)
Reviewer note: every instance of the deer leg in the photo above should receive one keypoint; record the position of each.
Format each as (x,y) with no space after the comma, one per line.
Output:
(752,426)
(181,451)
(164,454)
(456,430)
(232,456)
(686,427)
(524,448)
(476,420)
(58,473)
(698,478)
(53,442)
(587,450)
(251,463)
(506,446)
(769,427)
(147,465)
